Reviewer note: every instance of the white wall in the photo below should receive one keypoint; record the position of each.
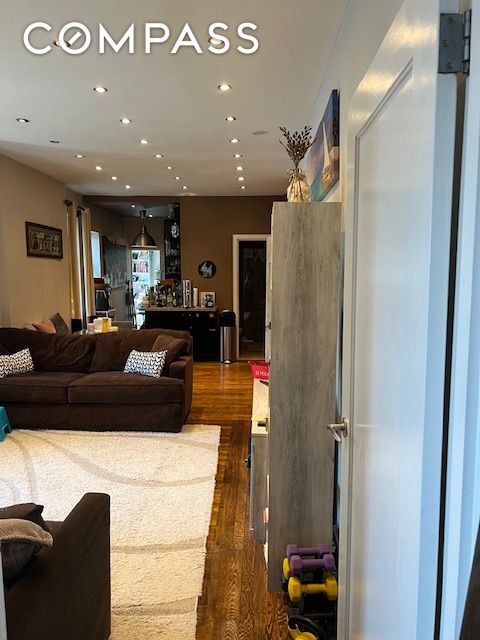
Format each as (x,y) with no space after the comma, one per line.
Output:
(363,28)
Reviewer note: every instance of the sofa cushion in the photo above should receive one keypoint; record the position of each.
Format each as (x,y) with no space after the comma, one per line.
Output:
(175,347)
(113,349)
(116,387)
(46,326)
(20,541)
(26,511)
(51,352)
(43,388)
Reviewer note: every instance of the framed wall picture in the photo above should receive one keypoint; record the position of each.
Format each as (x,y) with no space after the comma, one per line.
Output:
(324,154)
(43,241)
(207,269)
(207,299)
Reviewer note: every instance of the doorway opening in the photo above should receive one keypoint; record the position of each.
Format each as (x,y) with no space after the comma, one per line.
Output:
(250,274)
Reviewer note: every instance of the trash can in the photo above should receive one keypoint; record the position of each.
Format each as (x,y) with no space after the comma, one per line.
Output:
(228,334)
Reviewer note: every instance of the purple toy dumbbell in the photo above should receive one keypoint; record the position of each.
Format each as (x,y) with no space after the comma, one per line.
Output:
(317,552)
(300,565)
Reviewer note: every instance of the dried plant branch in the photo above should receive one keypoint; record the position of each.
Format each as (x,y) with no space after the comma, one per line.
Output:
(298,143)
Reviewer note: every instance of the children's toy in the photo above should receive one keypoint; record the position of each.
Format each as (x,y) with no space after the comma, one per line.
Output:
(5,426)
(328,588)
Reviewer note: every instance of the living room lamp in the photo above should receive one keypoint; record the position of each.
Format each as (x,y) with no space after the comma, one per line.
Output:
(144,240)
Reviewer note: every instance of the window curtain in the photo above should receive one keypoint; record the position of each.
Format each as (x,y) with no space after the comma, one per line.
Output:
(75,269)
(82,288)
(86,225)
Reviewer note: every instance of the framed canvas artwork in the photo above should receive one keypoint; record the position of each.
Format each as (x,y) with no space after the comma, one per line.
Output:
(43,241)
(324,155)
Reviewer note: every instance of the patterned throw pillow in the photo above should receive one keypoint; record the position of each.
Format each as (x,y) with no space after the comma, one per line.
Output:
(15,364)
(146,363)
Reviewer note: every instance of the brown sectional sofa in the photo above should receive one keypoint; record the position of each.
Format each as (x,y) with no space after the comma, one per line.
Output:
(78,382)
(64,592)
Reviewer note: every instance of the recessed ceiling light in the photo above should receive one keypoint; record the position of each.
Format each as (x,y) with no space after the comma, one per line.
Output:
(239,168)
(79,155)
(230,118)
(143,141)
(150,215)
(185,187)
(127,186)
(55,141)
(224,86)
(234,140)
(100,89)
(243,187)
(23,120)
(215,42)
(169,168)
(178,178)
(237,155)
(133,206)
(98,168)
(158,155)
(114,178)
(241,178)
(126,121)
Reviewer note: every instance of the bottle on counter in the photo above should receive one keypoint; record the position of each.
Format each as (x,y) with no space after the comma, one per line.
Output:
(169,297)
(175,299)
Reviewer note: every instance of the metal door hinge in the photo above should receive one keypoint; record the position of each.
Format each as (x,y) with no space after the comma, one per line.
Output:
(454,42)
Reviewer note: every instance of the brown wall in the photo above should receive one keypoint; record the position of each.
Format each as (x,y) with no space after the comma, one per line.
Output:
(208,226)
(31,289)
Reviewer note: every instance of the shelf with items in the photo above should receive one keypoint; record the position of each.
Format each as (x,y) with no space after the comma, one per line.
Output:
(173,260)
(293,442)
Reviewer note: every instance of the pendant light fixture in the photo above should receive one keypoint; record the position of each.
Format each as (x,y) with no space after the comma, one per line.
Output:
(144,240)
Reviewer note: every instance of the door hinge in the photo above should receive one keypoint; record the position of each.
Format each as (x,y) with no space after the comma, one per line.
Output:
(454,42)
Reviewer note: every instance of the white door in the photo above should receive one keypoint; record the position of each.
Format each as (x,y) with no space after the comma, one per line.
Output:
(401,128)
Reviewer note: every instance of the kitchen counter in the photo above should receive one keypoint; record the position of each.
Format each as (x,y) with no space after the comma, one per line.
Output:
(188,309)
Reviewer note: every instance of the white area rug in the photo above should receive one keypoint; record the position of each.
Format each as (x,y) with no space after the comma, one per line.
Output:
(161,486)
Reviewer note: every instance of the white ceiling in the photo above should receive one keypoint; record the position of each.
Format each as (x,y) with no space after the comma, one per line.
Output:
(172,99)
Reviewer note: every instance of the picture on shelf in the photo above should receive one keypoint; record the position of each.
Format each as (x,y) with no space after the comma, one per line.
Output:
(207,299)
(43,241)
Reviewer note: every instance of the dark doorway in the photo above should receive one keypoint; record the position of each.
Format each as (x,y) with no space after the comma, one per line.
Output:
(252,288)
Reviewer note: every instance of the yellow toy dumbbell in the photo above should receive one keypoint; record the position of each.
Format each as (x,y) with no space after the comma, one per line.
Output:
(329,588)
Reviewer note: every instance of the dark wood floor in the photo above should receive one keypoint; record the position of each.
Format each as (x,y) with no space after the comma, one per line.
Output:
(235,604)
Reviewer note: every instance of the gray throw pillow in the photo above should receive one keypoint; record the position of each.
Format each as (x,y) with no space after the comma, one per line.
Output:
(146,363)
(60,325)
(20,540)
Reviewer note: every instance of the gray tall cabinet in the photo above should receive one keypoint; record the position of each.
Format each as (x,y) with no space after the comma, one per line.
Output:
(305,297)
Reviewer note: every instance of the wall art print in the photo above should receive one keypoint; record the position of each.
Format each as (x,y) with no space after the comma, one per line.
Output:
(324,155)
(43,241)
